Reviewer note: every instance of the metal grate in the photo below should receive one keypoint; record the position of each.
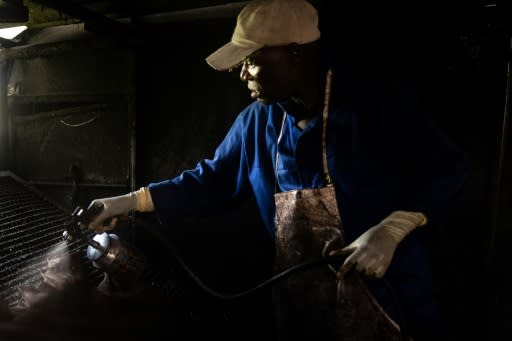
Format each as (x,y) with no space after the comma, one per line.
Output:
(31,228)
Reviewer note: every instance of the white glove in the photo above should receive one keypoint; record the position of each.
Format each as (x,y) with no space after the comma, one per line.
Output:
(114,207)
(372,252)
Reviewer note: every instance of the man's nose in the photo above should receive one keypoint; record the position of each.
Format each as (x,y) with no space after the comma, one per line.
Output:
(244,73)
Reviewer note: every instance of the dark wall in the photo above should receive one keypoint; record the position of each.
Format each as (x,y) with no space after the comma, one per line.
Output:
(69,113)
(185,107)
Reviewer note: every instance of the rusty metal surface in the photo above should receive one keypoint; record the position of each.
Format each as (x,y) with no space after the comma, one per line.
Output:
(31,228)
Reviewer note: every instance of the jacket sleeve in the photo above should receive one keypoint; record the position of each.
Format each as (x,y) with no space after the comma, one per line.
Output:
(212,186)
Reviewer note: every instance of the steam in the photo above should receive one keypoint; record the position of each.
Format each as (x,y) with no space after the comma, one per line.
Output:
(57,271)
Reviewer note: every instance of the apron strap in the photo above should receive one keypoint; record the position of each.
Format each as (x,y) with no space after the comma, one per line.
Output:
(325,114)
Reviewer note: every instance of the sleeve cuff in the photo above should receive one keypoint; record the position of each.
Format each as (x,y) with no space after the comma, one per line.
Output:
(144,202)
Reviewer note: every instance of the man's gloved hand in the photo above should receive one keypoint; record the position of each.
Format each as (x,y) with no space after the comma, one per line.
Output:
(113,207)
(372,252)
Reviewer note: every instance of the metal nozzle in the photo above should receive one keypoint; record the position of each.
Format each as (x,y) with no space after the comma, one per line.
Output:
(67,236)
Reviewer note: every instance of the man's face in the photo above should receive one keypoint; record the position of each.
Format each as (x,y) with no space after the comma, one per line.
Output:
(269,73)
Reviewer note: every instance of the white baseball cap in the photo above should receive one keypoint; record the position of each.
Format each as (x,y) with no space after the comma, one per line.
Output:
(267,23)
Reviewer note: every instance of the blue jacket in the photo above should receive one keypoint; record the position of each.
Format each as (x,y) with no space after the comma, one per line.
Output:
(384,153)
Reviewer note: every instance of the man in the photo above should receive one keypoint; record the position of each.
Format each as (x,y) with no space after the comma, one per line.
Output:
(339,164)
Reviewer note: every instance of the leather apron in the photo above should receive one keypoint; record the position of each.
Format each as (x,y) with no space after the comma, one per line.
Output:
(313,304)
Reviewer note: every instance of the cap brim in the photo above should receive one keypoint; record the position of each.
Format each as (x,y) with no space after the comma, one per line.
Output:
(229,56)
